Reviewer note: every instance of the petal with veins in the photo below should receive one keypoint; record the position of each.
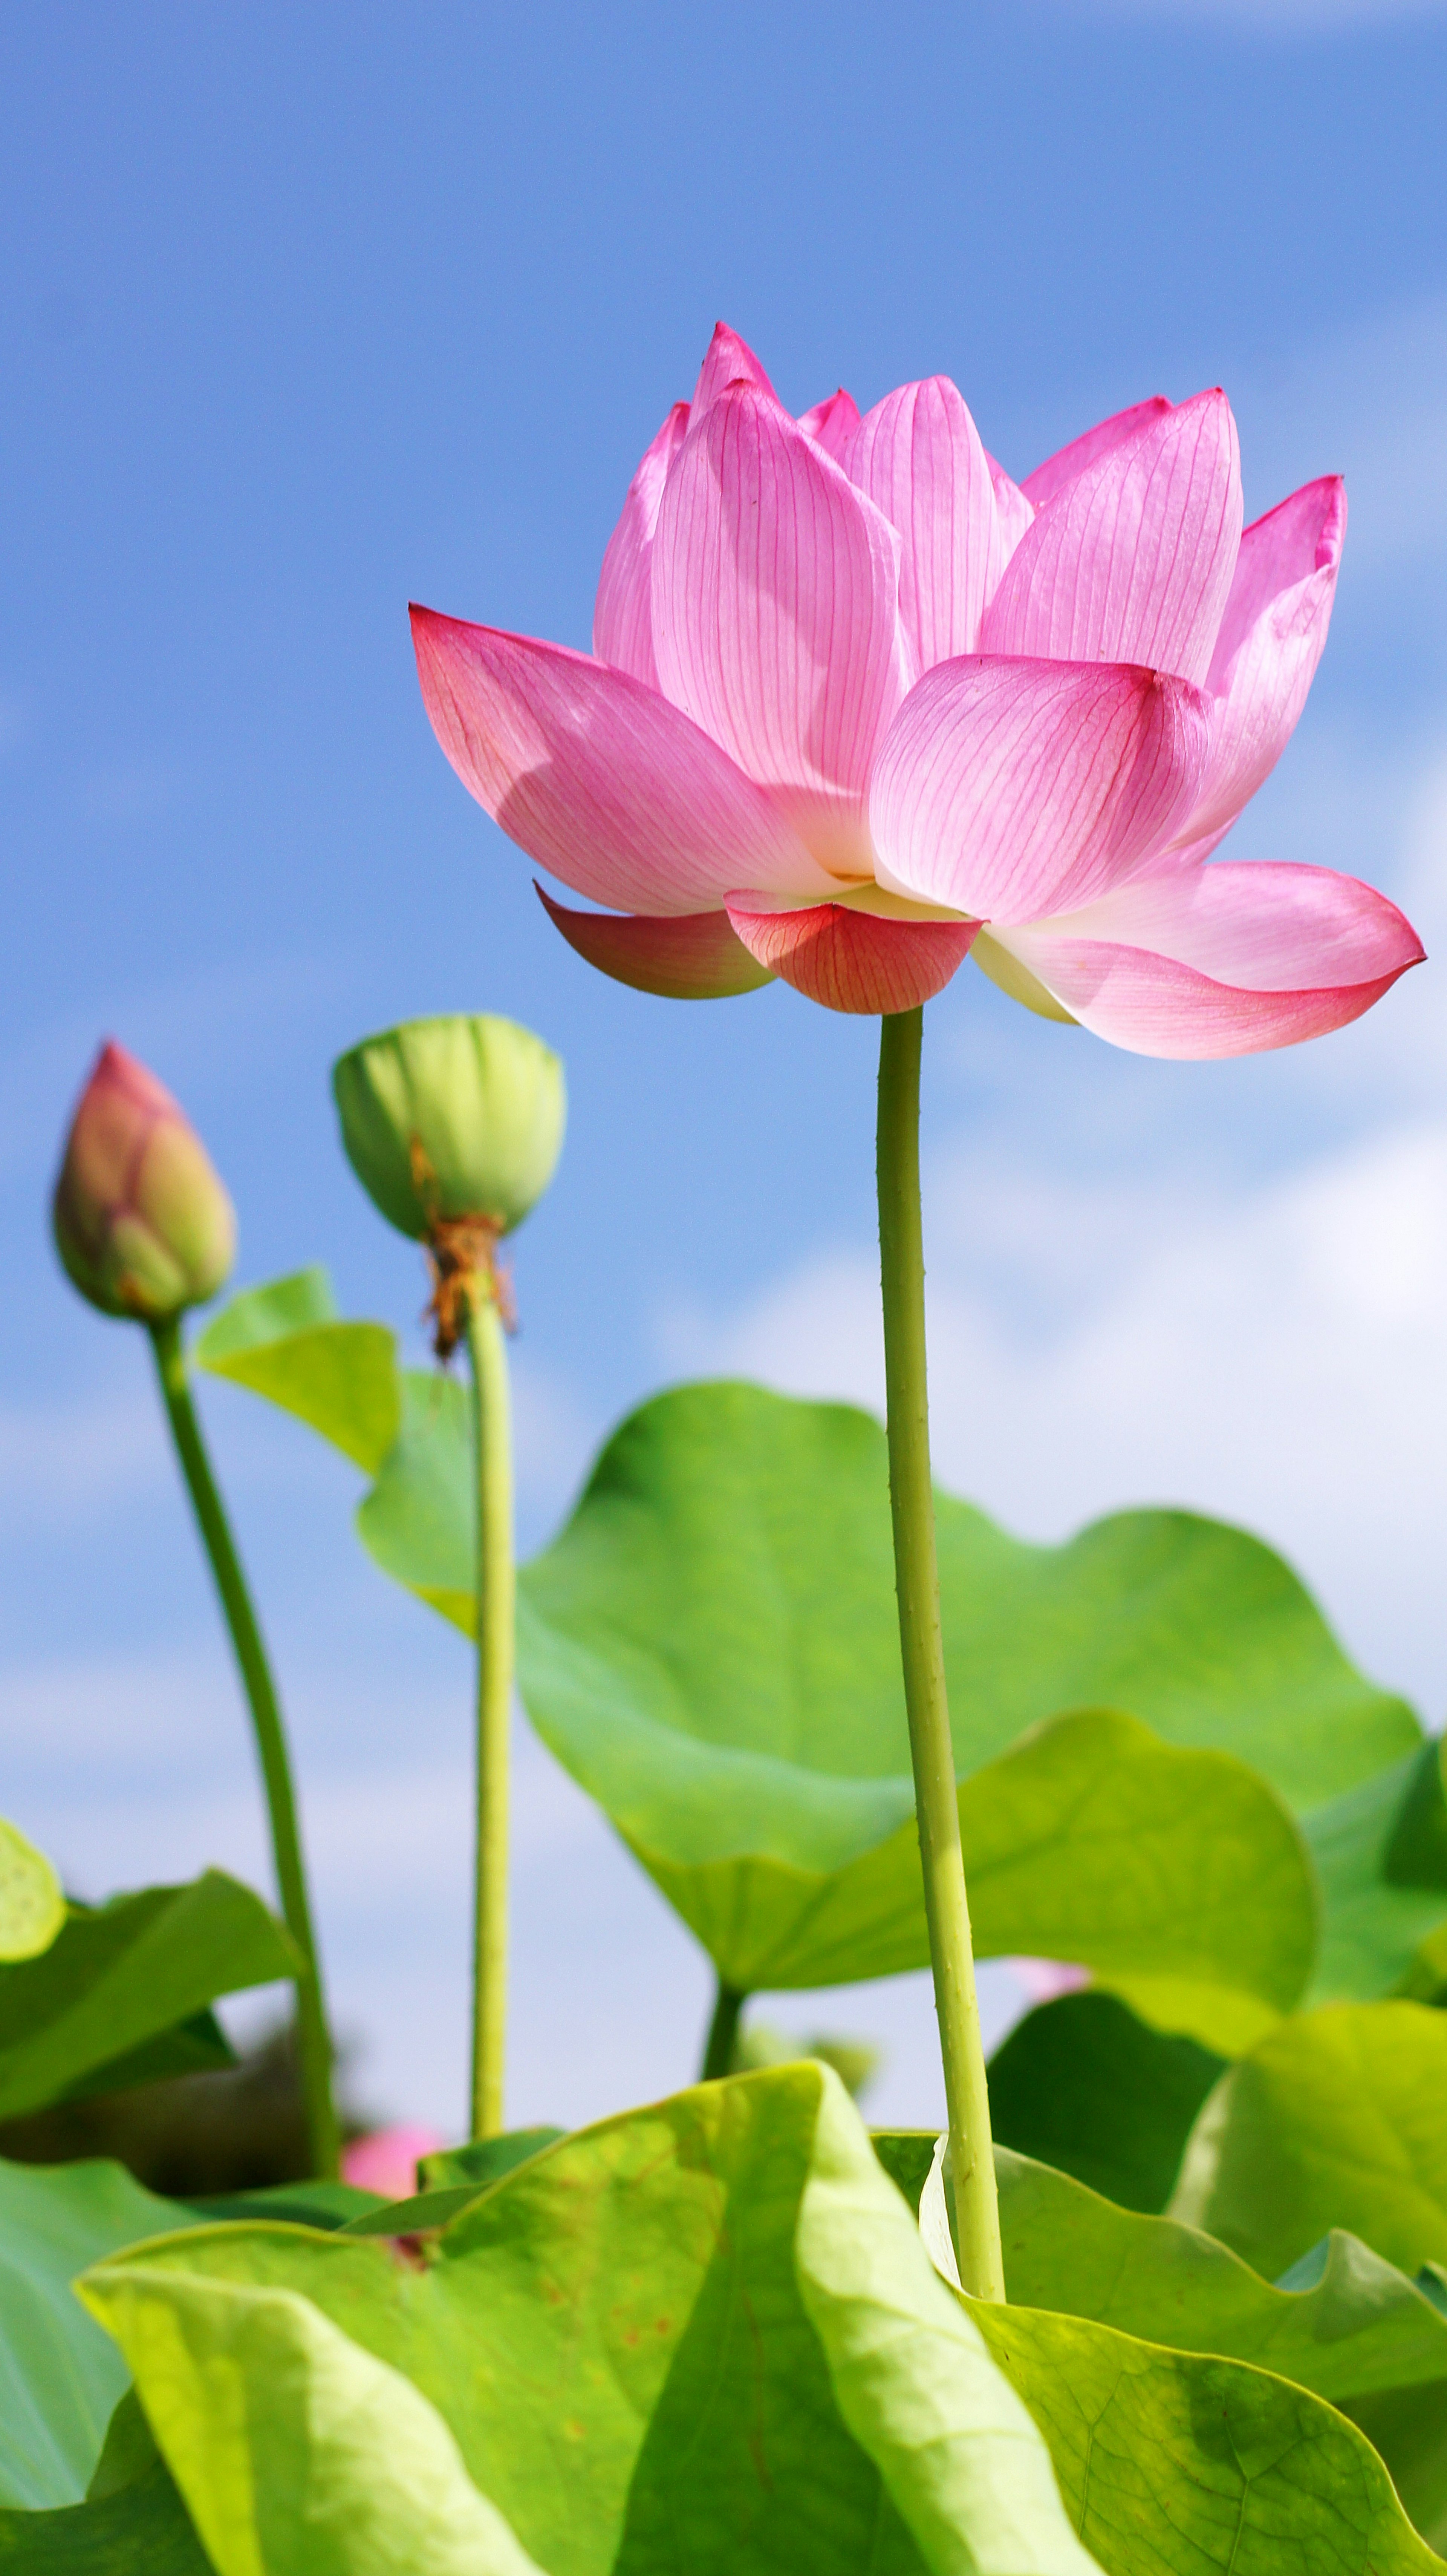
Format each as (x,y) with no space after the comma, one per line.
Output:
(728,361)
(919,458)
(1013,514)
(598,778)
(688,957)
(1012,789)
(1222,960)
(832,423)
(774,616)
(852,960)
(622,615)
(1269,645)
(1133,560)
(1051,478)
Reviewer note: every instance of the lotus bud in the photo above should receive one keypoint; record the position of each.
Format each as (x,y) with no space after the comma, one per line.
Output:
(453,1126)
(142,1222)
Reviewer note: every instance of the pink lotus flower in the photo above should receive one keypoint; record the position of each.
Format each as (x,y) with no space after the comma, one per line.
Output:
(387,2159)
(859,706)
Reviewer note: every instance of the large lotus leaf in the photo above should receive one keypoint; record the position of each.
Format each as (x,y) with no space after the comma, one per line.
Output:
(1174,2461)
(1380,1851)
(285,1341)
(297,2451)
(698,2336)
(122,1974)
(730,1562)
(1344,2323)
(715,1630)
(60,2376)
(1338,2118)
(1084,2085)
(1359,2327)
(1077,1842)
(142,2530)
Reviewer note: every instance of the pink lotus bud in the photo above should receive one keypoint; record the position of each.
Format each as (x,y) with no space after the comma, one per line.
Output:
(141,1220)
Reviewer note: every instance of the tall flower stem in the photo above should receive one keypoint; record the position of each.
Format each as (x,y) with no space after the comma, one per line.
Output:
(496,1589)
(901,1257)
(313,2038)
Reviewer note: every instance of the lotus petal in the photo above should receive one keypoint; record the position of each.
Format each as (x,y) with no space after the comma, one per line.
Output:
(623,616)
(599,779)
(1269,645)
(688,957)
(832,423)
(1221,960)
(775,586)
(1133,560)
(1050,479)
(919,458)
(1013,789)
(849,959)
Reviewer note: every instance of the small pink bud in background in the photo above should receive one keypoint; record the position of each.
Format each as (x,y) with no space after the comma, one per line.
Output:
(142,1223)
(387,2161)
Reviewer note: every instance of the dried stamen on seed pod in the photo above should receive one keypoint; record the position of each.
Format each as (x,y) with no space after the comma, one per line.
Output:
(462,1256)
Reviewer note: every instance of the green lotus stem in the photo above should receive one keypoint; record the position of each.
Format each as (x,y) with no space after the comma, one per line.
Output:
(314,2040)
(496,1590)
(723,2032)
(911,1494)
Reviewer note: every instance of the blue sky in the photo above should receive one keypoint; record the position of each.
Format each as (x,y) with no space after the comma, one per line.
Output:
(307,310)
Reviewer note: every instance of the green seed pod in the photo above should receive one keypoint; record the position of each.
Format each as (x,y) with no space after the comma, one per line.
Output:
(449,1118)
(142,1223)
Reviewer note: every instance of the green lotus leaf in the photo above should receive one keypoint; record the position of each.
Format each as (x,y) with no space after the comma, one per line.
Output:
(295,2449)
(60,2376)
(417,1522)
(1175,2461)
(1357,2326)
(1335,2119)
(701,2335)
(1343,2322)
(713,1635)
(117,1979)
(143,2530)
(1380,1851)
(285,1342)
(1084,2085)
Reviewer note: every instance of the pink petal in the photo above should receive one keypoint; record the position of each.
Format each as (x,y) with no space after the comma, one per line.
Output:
(1269,644)
(1132,562)
(728,361)
(689,957)
(1013,514)
(774,592)
(1014,789)
(598,778)
(919,458)
(622,617)
(387,2160)
(832,423)
(1062,468)
(1221,960)
(849,960)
